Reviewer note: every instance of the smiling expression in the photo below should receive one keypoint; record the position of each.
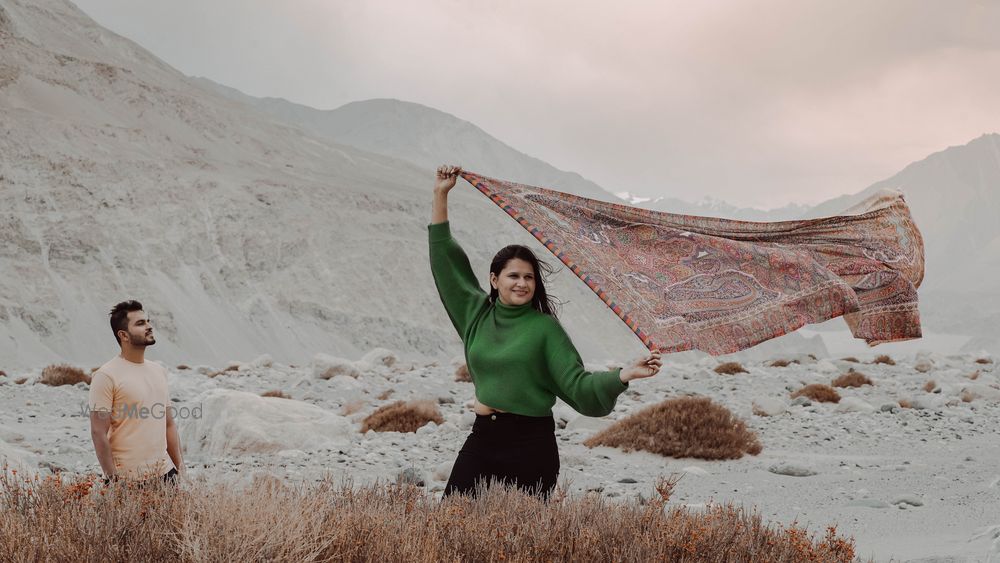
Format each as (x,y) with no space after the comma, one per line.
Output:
(516,282)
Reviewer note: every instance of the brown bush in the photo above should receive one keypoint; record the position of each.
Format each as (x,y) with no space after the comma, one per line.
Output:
(967,397)
(930,386)
(730,368)
(402,416)
(276,393)
(352,407)
(851,359)
(183,366)
(462,374)
(783,363)
(984,361)
(83,521)
(63,374)
(385,394)
(974,375)
(883,359)
(905,404)
(819,393)
(852,379)
(21,380)
(3,373)
(683,427)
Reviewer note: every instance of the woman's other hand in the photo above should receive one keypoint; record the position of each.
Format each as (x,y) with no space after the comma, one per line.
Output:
(446,177)
(647,366)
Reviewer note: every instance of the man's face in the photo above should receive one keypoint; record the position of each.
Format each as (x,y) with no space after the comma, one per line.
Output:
(140,330)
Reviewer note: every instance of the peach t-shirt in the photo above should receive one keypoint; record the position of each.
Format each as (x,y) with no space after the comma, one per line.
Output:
(136,396)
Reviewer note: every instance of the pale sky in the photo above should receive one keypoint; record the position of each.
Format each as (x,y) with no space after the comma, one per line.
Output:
(757,103)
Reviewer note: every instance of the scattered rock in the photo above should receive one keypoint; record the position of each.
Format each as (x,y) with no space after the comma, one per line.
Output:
(792,469)
(325,367)
(588,423)
(979,391)
(800,402)
(923,365)
(694,470)
(442,471)
(263,361)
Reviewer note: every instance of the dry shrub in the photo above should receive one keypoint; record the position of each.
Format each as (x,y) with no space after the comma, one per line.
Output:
(462,374)
(3,373)
(930,386)
(21,380)
(385,394)
(783,363)
(819,393)
(63,374)
(905,404)
(83,521)
(402,416)
(276,393)
(352,407)
(967,397)
(974,375)
(984,361)
(852,379)
(883,359)
(682,427)
(730,368)
(851,359)
(183,366)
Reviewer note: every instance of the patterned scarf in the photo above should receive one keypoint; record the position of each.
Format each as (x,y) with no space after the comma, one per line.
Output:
(682,282)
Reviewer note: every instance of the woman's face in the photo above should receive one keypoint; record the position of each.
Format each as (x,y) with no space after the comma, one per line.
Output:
(516,282)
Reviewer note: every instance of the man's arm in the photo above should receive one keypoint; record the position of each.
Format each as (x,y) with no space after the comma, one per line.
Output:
(174,442)
(100,423)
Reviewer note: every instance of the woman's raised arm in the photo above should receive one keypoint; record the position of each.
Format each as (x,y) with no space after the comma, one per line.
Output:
(446,177)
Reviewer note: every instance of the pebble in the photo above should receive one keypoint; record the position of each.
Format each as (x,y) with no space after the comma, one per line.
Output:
(912,500)
(792,469)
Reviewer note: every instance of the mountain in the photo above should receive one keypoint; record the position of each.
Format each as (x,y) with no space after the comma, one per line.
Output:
(421,135)
(122,178)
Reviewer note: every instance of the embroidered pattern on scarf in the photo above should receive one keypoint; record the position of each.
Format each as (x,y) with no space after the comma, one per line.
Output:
(683,282)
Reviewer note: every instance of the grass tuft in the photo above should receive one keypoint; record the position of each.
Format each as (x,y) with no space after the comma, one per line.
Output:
(63,374)
(883,359)
(683,427)
(819,393)
(402,416)
(730,368)
(852,379)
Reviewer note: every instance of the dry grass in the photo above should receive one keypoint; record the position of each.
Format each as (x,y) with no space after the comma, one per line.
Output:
(83,521)
(984,361)
(783,363)
(402,416)
(462,374)
(730,368)
(974,375)
(852,379)
(905,404)
(63,374)
(352,407)
(183,366)
(3,373)
(819,393)
(883,359)
(385,394)
(967,397)
(851,359)
(276,393)
(930,386)
(683,427)
(227,369)
(21,380)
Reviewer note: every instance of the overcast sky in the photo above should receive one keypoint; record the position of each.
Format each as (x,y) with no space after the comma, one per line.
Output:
(757,103)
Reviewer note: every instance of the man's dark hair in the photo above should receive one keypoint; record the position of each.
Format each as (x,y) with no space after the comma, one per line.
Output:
(119,316)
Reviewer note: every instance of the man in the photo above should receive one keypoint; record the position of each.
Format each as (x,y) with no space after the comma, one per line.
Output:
(131,418)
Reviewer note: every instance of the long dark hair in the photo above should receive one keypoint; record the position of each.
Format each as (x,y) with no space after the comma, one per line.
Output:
(541,300)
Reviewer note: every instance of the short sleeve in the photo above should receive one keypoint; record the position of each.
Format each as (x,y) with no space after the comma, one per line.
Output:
(102,392)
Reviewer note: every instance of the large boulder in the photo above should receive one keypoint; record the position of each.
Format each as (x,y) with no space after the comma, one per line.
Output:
(325,367)
(224,422)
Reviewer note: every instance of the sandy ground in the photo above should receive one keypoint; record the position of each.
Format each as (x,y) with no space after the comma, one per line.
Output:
(907,484)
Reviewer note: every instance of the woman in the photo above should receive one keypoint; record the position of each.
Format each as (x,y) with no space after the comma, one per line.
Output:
(520,359)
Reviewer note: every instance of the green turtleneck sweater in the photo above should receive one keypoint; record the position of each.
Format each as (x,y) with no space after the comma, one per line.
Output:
(520,359)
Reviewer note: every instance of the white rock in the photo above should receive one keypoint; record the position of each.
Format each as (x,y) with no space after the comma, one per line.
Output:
(428,428)
(15,458)
(768,406)
(205,370)
(792,469)
(442,471)
(826,366)
(588,423)
(923,365)
(263,361)
(694,470)
(325,367)
(854,404)
(240,423)
(380,357)
(912,500)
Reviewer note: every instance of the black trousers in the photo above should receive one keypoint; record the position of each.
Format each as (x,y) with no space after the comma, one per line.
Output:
(514,449)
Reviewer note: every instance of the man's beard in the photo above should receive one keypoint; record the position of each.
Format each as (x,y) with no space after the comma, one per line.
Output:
(144,341)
